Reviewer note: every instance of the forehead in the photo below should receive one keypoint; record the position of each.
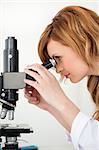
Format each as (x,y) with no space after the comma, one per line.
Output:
(54,47)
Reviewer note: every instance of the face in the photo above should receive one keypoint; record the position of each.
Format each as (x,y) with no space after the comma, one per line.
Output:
(68,63)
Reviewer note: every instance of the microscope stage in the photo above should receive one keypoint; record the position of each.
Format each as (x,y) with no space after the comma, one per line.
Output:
(14,130)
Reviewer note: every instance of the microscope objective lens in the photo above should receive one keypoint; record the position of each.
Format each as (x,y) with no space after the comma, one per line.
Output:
(10,114)
(3,113)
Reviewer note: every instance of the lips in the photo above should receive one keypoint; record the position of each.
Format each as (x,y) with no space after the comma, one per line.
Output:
(66,75)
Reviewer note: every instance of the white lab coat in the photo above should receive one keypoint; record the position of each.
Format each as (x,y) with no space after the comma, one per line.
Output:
(84,133)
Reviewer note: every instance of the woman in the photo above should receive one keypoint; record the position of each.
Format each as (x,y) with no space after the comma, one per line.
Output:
(72,40)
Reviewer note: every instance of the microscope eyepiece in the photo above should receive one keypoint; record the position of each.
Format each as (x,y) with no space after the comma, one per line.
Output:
(49,63)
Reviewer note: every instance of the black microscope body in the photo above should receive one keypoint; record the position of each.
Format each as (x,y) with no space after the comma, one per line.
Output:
(11,80)
(10,64)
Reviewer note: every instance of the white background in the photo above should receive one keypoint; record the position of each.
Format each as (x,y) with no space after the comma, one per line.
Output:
(26,20)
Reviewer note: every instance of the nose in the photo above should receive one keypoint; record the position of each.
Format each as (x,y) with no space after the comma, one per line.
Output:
(59,68)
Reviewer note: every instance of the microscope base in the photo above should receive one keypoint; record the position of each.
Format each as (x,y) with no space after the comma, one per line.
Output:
(29,148)
(10,132)
(23,148)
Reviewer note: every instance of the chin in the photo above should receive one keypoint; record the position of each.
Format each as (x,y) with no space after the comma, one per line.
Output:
(75,80)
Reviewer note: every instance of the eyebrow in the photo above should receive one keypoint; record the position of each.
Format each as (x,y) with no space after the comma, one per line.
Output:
(54,55)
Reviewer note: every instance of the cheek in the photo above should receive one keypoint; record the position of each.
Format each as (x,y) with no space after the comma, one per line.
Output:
(78,69)
(68,65)
(78,72)
(75,65)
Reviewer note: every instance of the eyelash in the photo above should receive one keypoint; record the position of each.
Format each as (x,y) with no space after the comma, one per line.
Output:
(57,59)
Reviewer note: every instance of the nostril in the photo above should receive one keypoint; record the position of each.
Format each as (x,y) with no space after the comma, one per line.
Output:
(59,69)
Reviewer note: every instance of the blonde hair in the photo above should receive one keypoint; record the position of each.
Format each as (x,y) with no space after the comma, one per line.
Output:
(78,28)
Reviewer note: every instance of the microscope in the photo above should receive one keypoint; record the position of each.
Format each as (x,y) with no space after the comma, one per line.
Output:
(11,80)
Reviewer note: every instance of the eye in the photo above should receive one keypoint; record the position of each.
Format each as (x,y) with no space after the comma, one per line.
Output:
(57,59)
